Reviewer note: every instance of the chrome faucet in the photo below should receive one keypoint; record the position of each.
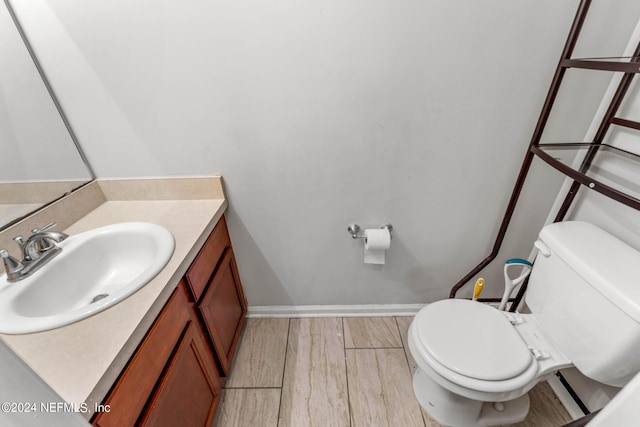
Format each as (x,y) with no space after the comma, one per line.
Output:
(37,250)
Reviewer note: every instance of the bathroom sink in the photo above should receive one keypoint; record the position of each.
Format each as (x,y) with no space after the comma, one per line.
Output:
(94,271)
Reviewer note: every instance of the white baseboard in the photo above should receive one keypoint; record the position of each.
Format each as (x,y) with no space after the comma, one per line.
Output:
(362,310)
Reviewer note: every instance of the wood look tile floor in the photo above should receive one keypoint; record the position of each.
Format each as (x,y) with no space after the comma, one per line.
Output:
(351,372)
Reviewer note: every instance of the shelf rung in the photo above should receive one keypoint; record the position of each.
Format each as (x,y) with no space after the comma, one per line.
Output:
(591,182)
(602,64)
(626,123)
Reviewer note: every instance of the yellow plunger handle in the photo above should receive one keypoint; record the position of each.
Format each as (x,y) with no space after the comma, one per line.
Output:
(478,288)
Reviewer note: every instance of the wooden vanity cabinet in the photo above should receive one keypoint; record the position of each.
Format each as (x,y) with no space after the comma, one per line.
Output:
(217,291)
(175,376)
(164,352)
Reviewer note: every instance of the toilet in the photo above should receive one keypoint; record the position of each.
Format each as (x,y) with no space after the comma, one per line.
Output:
(476,363)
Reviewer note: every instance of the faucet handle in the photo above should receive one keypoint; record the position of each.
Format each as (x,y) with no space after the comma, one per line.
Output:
(11,265)
(44,228)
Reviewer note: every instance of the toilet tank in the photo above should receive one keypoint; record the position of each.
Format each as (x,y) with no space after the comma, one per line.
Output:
(584,291)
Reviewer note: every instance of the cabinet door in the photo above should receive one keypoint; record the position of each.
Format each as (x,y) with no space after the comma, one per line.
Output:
(130,394)
(189,392)
(202,268)
(223,309)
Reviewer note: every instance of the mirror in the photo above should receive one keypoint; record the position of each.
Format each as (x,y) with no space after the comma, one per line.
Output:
(40,160)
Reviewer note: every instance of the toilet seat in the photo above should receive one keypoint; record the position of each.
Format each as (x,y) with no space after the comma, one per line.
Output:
(460,332)
(473,340)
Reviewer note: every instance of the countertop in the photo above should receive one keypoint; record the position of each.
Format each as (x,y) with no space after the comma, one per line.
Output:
(81,361)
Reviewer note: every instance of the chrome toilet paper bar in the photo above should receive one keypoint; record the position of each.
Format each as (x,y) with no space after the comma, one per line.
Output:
(354,229)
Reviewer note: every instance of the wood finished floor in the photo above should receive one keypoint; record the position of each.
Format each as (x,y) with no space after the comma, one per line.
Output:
(342,372)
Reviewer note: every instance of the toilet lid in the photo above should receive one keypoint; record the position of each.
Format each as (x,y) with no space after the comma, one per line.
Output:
(472,339)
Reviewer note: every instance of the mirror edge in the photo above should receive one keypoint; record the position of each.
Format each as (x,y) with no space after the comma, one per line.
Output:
(63,117)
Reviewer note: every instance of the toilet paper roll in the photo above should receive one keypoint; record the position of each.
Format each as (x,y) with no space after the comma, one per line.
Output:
(377,238)
(376,243)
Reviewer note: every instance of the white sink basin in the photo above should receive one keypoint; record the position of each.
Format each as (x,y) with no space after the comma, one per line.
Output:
(94,271)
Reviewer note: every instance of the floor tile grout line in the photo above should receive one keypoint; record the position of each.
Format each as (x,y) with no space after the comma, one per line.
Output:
(377,348)
(286,351)
(372,348)
(403,347)
(284,369)
(253,388)
(346,373)
(235,356)
(395,320)
(406,357)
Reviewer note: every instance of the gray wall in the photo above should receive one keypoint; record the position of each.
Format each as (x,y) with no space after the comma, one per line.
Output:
(319,114)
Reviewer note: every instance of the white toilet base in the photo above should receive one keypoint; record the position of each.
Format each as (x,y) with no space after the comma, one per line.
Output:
(451,409)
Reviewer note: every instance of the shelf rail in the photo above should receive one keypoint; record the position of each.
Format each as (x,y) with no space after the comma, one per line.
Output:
(626,123)
(631,66)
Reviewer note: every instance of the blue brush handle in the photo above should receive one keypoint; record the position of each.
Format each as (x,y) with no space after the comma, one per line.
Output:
(519,261)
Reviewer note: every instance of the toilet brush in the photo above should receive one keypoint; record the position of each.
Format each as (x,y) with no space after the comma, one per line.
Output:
(510,284)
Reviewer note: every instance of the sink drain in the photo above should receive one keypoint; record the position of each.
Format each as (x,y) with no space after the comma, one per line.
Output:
(98,298)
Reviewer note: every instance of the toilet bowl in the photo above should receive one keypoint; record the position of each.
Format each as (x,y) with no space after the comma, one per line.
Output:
(471,356)
(476,363)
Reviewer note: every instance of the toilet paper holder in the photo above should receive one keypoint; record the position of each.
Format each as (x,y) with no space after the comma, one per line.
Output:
(354,229)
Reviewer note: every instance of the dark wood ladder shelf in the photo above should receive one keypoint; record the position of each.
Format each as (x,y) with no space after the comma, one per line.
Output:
(564,157)
(576,160)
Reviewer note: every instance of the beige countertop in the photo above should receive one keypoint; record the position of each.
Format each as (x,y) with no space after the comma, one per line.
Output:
(81,361)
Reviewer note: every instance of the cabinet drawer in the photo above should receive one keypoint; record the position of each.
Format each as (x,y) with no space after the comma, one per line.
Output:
(202,268)
(188,394)
(131,392)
